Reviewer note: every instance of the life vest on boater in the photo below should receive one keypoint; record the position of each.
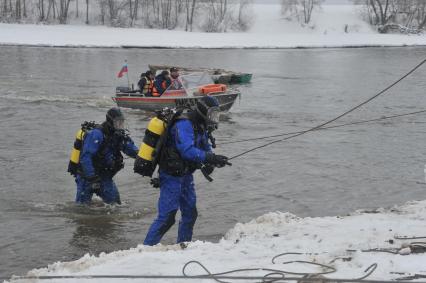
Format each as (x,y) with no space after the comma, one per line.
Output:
(163,86)
(148,87)
(155,91)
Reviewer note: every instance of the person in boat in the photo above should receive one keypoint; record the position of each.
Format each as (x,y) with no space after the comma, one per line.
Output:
(146,83)
(187,148)
(162,82)
(101,159)
(176,84)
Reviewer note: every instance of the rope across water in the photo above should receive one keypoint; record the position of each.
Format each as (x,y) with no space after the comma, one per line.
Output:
(336,118)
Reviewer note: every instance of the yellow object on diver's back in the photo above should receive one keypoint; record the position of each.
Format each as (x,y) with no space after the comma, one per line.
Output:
(144,164)
(154,140)
(74,162)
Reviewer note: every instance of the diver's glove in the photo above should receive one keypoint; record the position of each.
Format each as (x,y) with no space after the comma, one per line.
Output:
(155,182)
(217,160)
(95,183)
(208,169)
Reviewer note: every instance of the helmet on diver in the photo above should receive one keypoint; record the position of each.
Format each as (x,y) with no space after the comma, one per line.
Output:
(208,109)
(115,119)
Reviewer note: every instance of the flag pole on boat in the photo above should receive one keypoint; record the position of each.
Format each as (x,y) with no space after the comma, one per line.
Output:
(123,70)
(127,74)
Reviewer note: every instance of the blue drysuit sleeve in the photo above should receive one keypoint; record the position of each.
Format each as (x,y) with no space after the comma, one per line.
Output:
(91,144)
(130,148)
(185,144)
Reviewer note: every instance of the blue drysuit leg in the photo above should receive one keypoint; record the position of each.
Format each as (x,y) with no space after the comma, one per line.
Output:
(109,192)
(168,204)
(188,208)
(84,191)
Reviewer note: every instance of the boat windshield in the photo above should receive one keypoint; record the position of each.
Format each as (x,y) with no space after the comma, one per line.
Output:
(190,82)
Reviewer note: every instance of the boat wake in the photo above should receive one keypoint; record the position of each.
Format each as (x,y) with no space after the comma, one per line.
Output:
(92,101)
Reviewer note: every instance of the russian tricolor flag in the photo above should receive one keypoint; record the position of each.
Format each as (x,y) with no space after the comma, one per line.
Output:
(122,71)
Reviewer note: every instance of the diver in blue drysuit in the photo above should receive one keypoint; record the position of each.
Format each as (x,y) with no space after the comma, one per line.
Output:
(101,159)
(187,148)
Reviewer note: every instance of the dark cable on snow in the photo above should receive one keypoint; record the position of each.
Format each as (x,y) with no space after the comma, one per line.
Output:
(274,275)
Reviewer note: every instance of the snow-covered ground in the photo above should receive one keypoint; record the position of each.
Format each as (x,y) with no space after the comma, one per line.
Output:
(341,242)
(270,30)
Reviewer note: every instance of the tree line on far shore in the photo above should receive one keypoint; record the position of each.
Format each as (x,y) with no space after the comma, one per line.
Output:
(205,15)
(405,16)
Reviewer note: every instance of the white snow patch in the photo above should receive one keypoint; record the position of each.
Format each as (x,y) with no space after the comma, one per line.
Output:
(270,30)
(253,244)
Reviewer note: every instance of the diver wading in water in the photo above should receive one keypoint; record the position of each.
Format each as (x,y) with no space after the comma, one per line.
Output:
(180,145)
(96,157)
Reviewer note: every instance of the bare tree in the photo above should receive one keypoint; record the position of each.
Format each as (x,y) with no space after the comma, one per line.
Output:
(382,13)
(421,14)
(4,8)
(244,20)
(18,13)
(406,16)
(289,7)
(162,13)
(113,11)
(41,10)
(133,11)
(301,9)
(216,15)
(76,8)
(63,11)
(190,6)
(307,8)
(87,12)
(103,6)
(52,8)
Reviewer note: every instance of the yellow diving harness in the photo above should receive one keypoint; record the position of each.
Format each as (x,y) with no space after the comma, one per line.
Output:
(74,163)
(153,141)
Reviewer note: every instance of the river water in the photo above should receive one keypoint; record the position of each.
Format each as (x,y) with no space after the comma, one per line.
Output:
(45,93)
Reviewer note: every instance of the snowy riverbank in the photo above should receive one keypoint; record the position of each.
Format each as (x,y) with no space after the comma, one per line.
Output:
(269,31)
(339,242)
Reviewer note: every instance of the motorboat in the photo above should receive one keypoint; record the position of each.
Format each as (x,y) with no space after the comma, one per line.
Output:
(183,92)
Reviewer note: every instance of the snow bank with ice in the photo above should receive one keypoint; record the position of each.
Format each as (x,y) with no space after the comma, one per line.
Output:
(336,241)
(270,30)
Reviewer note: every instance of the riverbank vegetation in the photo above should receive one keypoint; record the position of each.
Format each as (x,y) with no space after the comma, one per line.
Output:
(202,15)
(387,16)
